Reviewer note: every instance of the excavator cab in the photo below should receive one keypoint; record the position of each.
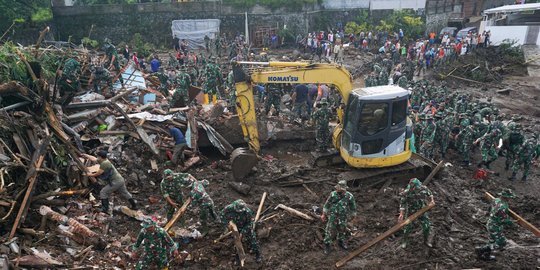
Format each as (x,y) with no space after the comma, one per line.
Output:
(376,130)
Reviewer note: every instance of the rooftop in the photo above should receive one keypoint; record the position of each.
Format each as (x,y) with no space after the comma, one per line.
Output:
(513,8)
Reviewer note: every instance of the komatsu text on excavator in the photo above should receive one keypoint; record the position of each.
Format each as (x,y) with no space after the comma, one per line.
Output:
(373,129)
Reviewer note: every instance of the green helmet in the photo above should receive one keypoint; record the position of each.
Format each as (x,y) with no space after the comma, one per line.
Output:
(512,126)
(342,184)
(167,172)
(415,182)
(439,114)
(323,101)
(465,123)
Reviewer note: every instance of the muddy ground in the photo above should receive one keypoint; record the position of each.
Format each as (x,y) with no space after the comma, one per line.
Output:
(288,242)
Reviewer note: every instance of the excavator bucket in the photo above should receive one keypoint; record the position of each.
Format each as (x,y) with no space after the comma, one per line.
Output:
(242,161)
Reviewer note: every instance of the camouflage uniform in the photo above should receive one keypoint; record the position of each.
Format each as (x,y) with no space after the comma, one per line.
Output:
(442,133)
(173,62)
(512,144)
(414,198)
(163,82)
(158,246)
(524,158)
(403,82)
(110,51)
(173,189)
(232,91)
(213,77)
(383,77)
(69,81)
(322,117)
(181,94)
(239,213)
(101,74)
(273,98)
(466,139)
(489,142)
(499,218)
(200,198)
(339,208)
(427,138)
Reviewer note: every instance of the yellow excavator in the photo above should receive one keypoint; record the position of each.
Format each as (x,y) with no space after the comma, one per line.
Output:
(373,129)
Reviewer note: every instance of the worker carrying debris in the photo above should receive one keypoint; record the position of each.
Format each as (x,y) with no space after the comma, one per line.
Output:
(171,189)
(69,80)
(499,218)
(115,182)
(240,214)
(339,208)
(158,246)
(414,198)
(180,144)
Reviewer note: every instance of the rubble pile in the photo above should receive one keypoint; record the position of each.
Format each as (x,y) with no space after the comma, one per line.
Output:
(487,65)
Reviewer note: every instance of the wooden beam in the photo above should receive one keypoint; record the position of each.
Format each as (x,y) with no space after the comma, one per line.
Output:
(521,221)
(238,243)
(294,212)
(391,231)
(434,172)
(31,177)
(259,210)
(177,215)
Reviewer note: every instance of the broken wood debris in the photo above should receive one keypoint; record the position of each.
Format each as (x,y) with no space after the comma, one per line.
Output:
(294,212)
(177,214)
(238,243)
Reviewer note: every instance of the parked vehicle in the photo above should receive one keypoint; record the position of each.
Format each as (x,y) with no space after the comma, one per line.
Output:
(463,32)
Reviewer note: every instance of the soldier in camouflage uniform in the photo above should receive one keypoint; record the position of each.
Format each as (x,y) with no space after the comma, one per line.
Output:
(100,74)
(212,80)
(173,62)
(232,91)
(274,92)
(112,58)
(488,147)
(403,82)
(69,80)
(200,198)
(322,118)
(524,158)
(383,77)
(171,189)
(427,137)
(240,214)
(181,94)
(163,82)
(158,246)
(414,198)
(465,139)
(442,133)
(512,143)
(339,208)
(499,218)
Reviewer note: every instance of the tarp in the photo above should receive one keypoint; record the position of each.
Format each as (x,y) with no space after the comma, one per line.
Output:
(194,31)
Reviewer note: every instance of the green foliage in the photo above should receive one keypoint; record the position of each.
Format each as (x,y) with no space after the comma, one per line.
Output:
(287,35)
(143,49)
(511,48)
(42,15)
(11,67)
(104,2)
(24,11)
(411,24)
(88,42)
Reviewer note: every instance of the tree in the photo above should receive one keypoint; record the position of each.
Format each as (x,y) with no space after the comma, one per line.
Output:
(24,11)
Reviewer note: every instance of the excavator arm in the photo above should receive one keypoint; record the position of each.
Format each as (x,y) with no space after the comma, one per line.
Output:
(282,72)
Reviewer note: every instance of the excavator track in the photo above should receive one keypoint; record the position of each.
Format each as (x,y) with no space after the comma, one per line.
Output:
(418,166)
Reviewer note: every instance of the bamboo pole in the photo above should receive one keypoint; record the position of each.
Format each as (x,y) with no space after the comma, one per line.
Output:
(177,215)
(389,232)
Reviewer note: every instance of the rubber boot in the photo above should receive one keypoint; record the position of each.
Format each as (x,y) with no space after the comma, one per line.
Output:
(343,245)
(506,167)
(258,257)
(327,249)
(236,260)
(205,99)
(513,177)
(524,178)
(105,206)
(427,241)
(133,204)
(487,164)
(480,164)
(404,243)
(214,99)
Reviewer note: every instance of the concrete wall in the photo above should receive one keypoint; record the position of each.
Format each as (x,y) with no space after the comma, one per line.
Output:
(345,4)
(397,4)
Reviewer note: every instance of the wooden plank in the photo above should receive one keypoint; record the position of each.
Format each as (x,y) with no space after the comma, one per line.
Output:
(177,215)
(294,212)
(154,165)
(389,232)
(238,243)
(259,210)
(521,221)
(23,149)
(434,172)
(31,177)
